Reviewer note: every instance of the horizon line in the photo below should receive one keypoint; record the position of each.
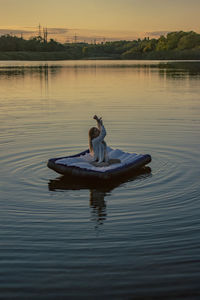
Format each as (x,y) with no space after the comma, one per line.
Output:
(64,34)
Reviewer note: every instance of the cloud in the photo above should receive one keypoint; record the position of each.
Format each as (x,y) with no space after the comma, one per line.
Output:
(32,30)
(157,34)
(57,30)
(14,31)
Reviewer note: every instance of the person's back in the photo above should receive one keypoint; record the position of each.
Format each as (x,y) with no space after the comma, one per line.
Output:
(98,147)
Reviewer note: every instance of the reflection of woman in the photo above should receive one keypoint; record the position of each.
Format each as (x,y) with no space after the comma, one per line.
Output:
(98,204)
(98,191)
(97,145)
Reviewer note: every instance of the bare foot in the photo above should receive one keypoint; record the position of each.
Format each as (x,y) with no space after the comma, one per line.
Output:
(114,161)
(97,164)
(105,164)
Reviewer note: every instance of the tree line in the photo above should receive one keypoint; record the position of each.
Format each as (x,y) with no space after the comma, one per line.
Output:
(175,45)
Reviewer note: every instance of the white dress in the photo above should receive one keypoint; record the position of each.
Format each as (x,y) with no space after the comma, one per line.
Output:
(100,147)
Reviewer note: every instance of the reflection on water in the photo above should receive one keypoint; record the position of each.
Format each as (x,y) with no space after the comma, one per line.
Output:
(34,77)
(6,68)
(42,70)
(29,75)
(98,189)
(181,67)
(98,205)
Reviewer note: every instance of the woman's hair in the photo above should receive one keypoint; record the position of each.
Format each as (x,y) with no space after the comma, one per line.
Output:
(92,135)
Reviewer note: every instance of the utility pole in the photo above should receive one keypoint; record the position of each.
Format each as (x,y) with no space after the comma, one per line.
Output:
(39,30)
(75,38)
(45,34)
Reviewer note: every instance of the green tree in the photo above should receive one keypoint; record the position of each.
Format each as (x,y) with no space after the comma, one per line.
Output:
(173,39)
(85,51)
(189,41)
(150,45)
(162,44)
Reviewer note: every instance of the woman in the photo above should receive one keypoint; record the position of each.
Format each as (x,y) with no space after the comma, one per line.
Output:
(97,145)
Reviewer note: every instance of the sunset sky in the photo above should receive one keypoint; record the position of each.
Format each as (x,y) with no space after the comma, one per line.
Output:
(109,19)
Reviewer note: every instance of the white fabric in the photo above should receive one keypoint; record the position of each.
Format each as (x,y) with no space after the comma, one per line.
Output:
(99,146)
(84,161)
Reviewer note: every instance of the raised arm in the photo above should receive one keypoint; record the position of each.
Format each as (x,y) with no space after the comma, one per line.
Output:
(99,122)
(101,128)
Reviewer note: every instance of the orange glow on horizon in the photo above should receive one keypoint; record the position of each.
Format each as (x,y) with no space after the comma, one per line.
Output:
(94,19)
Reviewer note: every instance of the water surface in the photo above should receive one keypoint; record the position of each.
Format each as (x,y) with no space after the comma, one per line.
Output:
(134,239)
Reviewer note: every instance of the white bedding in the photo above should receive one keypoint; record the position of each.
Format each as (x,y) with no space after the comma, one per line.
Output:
(84,161)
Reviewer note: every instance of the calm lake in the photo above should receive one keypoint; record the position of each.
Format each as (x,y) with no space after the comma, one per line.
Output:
(137,239)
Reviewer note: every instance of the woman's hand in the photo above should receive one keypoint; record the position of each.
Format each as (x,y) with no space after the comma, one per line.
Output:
(99,120)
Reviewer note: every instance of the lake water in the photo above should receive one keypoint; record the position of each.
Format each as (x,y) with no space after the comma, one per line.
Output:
(138,239)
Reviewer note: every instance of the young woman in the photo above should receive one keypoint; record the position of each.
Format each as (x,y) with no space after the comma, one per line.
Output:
(97,145)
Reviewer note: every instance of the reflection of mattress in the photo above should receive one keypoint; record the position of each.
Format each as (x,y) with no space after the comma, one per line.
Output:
(80,164)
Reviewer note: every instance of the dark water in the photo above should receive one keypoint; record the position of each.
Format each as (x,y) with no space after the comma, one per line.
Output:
(134,239)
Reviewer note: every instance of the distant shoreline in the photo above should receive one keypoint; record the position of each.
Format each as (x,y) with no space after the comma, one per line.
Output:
(63,55)
(178,45)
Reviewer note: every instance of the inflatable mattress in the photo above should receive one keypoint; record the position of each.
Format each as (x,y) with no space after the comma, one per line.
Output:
(81,164)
